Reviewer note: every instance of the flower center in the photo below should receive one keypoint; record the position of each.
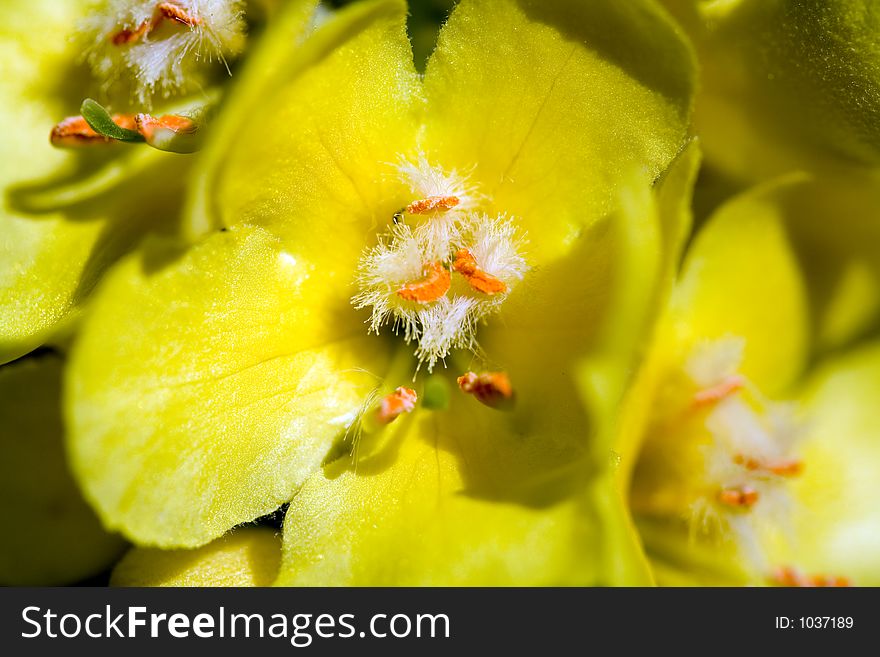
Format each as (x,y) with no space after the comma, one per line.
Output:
(441,266)
(748,456)
(719,453)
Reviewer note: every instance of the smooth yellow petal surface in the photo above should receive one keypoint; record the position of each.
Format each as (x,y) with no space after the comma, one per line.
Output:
(674,193)
(836,519)
(203,391)
(678,559)
(550,104)
(272,61)
(435,509)
(312,151)
(834,224)
(742,278)
(50,535)
(247,557)
(62,221)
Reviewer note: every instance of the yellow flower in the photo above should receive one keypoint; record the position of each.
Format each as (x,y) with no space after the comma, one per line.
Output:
(502,212)
(734,451)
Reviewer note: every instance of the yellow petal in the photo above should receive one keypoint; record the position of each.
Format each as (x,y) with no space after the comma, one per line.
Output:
(203,391)
(678,558)
(50,535)
(836,518)
(834,223)
(307,151)
(742,278)
(673,194)
(551,104)
(440,506)
(245,557)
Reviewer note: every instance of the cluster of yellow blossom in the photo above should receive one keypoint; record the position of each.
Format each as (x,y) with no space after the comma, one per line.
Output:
(592,299)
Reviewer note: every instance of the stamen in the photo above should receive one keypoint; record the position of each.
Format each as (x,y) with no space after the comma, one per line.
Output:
(148,125)
(438,189)
(169,10)
(432,204)
(177,13)
(126,36)
(744,497)
(490,388)
(709,396)
(782,468)
(466,265)
(430,288)
(788,576)
(74,131)
(403,400)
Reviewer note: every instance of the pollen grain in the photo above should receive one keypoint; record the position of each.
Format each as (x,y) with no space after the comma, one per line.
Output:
(434,285)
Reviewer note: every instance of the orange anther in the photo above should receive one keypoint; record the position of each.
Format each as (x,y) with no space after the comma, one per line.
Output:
(434,285)
(169,10)
(147,125)
(466,265)
(831,581)
(432,204)
(490,388)
(739,497)
(176,13)
(788,576)
(788,468)
(730,386)
(403,400)
(782,468)
(130,36)
(75,131)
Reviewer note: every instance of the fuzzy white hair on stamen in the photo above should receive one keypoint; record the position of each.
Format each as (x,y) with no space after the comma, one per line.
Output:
(439,235)
(425,180)
(786,425)
(735,423)
(405,254)
(747,435)
(168,59)
(713,361)
(497,248)
(396,260)
(446,325)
